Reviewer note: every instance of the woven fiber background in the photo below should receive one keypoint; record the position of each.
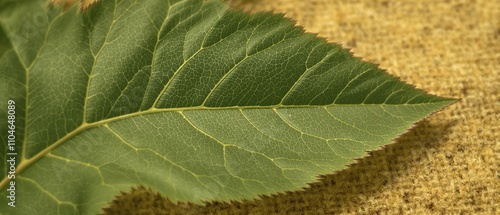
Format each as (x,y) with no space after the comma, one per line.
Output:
(449,164)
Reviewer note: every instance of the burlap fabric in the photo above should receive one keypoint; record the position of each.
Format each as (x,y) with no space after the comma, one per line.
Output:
(448,164)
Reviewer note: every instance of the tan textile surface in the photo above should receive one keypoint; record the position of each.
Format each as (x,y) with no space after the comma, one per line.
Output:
(450,163)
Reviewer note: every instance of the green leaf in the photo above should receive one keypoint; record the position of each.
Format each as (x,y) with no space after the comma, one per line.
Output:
(190,98)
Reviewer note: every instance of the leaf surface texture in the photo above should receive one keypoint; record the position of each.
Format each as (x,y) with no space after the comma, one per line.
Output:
(190,98)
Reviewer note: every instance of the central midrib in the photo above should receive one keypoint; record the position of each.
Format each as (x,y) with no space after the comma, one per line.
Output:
(25,163)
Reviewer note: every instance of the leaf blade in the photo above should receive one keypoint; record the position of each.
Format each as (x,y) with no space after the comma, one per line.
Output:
(269,106)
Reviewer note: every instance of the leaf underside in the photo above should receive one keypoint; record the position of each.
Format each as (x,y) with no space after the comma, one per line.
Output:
(190,98)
